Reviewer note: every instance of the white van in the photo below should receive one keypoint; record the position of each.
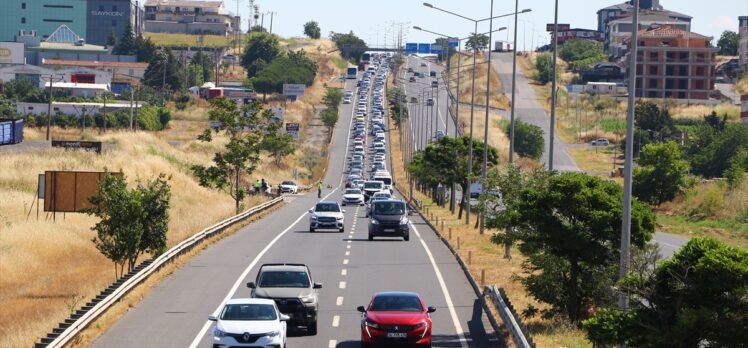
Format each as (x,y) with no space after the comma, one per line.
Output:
(385,178)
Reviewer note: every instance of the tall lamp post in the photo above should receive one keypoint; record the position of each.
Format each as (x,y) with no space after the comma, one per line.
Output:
(472,98)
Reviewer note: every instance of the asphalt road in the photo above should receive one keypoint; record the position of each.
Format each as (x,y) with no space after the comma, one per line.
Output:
(174,313)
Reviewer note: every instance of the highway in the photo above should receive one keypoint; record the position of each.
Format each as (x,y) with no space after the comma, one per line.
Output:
(174,313)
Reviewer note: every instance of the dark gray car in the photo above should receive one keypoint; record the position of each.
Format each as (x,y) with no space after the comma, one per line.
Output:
(389,218)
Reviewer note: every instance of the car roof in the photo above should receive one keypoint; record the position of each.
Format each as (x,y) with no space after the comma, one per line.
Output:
(294,267)
(250,301)
(327,202)
(397,293)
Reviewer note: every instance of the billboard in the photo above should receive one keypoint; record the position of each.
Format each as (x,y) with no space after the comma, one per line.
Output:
(453,42)
(411,47)
(424,48)
(436,49)
(69,191)
(293,129)
(12,53)
(293,89)
(561,27)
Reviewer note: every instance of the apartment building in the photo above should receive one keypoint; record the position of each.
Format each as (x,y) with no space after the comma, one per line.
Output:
(674,63)
(743,47)
(189,17)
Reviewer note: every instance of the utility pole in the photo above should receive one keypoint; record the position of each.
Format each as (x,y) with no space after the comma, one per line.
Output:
(554,92)
(132,99)
(104,111)
(514,86)
(272,15)
(49,104)
(623,299)
(488,107)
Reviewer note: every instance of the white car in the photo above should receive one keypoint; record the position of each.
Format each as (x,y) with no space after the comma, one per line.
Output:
(249,322)
(289,187)
(347,100)
(600,142)
(379,196)
(353,196)
(327,215)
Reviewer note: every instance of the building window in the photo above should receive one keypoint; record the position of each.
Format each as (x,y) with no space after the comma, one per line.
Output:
(653,56)
(653,70)
(23,20)
(57,20)
(652,83)
(23,5)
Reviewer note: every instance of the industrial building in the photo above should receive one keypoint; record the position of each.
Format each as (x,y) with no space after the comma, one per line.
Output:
(96,20)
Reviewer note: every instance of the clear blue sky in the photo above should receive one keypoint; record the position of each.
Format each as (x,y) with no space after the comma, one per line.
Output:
(376,20)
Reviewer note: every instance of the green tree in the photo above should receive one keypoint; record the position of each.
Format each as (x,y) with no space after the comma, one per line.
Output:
(349,45)
(329,119)
(259,46)
(111,39)
(569,229)
(698,297)
(477,42)
(661,174)
(712,153)
(712,120)
(206,64)
(728,43)
(24,90)
(312,30)
(582,54)
(246,129)
(132,222)
(164,72)
(544,65)
(278,143)
(650,117)
(294,67)
(145,49)
(127,43)
(528,139)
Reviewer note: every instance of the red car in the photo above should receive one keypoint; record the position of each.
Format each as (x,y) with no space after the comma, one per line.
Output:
(394,318)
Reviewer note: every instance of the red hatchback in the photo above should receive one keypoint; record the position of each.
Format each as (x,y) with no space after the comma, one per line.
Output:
(394,318)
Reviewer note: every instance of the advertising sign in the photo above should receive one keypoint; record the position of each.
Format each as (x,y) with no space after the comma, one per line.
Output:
(293,129)
(424,48)
(11,53)
(411,47)
(561,27)
(293,89)
(77,144)
(69,191)
(278,113)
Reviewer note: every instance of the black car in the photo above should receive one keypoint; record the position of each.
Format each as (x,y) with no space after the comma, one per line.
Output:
(389,219)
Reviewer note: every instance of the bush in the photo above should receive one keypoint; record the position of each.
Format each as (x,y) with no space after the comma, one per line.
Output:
(544,64)
(528,139)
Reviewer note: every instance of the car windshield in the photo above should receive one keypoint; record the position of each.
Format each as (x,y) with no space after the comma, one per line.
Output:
(396,303)
(389,208)
(327,207)
(287,183)
(373,185)
(248,311)
(284,279)
(385,180)
(353,192)
(382,195)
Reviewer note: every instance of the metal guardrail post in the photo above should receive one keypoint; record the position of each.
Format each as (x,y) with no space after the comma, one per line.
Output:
(510,322)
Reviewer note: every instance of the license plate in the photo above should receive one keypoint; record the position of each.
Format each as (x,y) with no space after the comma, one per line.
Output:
(397,335)
(389,230)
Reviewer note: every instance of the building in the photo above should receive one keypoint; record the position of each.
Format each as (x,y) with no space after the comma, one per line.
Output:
(673,63)
(97,19)
(81,90)
(189,17)
(119,75)
(577,33)
(71,108)
(615,11)
(743,47)
(619,30)
(11,53)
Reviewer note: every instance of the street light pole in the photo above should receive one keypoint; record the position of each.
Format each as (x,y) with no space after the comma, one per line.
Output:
(554,92)
(484,173)
(514,86)
(623,300)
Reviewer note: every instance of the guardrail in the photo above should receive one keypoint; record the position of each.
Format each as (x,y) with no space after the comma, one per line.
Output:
(79,320)
(509,316)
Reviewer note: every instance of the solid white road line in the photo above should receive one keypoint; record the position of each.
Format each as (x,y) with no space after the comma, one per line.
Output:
(341,285)
(443,285)
(336,321)
(339,301)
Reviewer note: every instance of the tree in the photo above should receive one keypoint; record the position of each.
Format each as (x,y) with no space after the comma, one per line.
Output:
(294,67)
(329,119)
(145,49)
(132,221)
(259,46)
(349,45)
(661,173)
(164,72)
(111,40)
(650,117)
(711,153)
(246,129)
(698,297)
(206,64)
(582,54)
(477,42)
(447,51)
(279,144)
(312,30)
(528,139)
(569,227)
(728,43)
(712,120)
(544,64)
(127,44)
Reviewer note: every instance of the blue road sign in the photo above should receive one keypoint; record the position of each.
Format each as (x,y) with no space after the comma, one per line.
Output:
(411,47)
(424,48)
(436,49)
(453,42)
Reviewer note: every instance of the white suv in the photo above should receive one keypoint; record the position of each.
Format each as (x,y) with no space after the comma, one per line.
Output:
(249,322)
(327,214)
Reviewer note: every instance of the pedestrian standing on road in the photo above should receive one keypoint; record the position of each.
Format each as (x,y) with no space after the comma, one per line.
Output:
(319,190)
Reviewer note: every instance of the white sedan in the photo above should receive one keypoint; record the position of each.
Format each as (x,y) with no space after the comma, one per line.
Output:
(289,187)
(249,322)
(353,196)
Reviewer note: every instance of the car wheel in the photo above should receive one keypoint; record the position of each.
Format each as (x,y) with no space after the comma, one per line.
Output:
(371,237)
(312,329)
(341,230)
(407,237)
(311,229)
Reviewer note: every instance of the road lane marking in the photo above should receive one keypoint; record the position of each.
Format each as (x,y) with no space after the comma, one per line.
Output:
(339,301)
(336,321)
(344,272)
(345,262)
(348,246)
(332,344)
(445,291)
(347,253)
(342,285)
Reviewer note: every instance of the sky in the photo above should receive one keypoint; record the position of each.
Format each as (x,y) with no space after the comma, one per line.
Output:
(379,21)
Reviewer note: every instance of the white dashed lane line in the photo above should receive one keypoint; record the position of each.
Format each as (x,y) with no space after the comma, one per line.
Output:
(345,262)
(339,301)
(341,285)
(347,253)
(332,344)
(336,321)
(344,272)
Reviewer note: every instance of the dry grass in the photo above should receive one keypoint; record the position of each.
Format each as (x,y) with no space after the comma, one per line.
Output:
(483,255)
(498,100)
(182,40)
(698,111)
(741,87)
(597,159)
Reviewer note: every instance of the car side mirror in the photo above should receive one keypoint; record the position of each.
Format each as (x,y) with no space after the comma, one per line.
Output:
(311,211)
(251,285)
(431,309)
(317,286)
(284,317)
(212,318)
(361,309)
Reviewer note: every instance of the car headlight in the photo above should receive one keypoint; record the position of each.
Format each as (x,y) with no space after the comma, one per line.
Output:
(423,324)
(372,324)
(308,299)
(404,220)
(314,217)
(218,333)
(374,222)
(273,334)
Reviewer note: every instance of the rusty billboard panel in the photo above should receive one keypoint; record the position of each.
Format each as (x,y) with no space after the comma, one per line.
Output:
(68,191)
